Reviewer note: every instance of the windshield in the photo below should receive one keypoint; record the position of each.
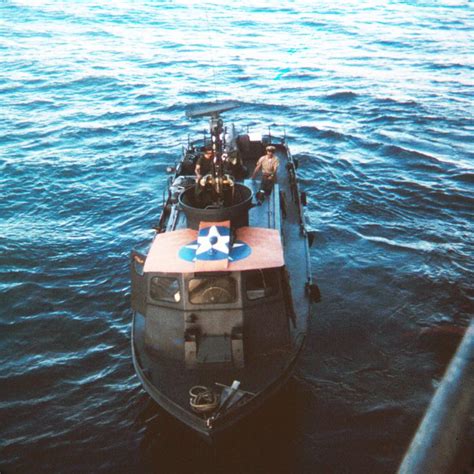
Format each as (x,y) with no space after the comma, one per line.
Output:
(165,289)
(212,290)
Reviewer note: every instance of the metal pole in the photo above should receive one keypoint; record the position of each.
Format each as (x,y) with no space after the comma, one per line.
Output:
(436,446)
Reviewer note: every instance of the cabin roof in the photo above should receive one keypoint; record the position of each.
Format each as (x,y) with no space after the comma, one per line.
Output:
(209,249)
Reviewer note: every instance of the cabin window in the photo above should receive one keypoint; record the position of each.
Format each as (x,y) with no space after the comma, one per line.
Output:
(213,290)
(261,283)
(165,289)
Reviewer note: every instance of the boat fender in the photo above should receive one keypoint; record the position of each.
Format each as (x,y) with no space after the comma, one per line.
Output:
(283,204)
(303,198)
(312,290)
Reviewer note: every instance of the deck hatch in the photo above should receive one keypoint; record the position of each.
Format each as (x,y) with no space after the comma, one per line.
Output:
(214,349)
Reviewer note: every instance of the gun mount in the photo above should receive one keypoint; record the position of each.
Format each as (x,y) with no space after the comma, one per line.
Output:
(219,186)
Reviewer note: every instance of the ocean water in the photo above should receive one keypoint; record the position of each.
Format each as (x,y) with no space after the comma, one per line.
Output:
(375,98)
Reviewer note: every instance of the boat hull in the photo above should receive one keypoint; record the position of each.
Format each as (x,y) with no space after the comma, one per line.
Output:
(223,424)
(231,317)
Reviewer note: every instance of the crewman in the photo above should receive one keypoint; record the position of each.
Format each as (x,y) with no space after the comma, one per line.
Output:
(269,165)
(204,164)
(203,193)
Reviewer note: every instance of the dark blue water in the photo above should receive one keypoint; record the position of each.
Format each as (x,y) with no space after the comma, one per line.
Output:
(376,100)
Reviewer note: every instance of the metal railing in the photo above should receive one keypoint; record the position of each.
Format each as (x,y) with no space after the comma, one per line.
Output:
(438,445)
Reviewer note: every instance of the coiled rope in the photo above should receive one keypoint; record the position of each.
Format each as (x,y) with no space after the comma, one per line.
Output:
(203,400)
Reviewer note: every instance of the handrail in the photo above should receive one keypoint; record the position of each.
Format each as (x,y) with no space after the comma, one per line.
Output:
(438,443)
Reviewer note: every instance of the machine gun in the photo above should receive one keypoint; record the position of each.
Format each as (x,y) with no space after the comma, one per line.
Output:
(220,182)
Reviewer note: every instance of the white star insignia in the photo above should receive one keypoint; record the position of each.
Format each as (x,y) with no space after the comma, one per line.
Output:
(205,243)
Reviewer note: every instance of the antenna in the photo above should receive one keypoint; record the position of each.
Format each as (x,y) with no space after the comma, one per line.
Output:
(209,110)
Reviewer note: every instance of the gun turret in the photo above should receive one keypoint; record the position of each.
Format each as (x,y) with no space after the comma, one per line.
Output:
(220,183)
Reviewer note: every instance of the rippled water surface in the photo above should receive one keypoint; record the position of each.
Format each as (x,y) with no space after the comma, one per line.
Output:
(376,100)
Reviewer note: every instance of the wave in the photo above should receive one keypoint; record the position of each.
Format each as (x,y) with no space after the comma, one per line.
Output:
(390,101)
(467,177)
(94,100)
(399,151)
(394,44)
(342,96)
(314,131)
(449,65)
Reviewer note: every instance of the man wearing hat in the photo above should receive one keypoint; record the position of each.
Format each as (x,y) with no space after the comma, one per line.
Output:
(204,166)
(269,165)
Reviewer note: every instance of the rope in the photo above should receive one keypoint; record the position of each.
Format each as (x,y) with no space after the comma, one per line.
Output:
(202,399)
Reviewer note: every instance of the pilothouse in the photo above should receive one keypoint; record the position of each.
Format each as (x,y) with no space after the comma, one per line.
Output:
(222,298)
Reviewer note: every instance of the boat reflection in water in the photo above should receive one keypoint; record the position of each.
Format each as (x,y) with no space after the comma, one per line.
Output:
(222,298)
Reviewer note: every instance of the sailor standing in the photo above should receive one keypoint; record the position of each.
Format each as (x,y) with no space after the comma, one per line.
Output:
(269,165)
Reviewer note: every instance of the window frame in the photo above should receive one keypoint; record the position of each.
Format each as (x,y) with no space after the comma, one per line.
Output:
(173,302)
(236,300)
(277,279)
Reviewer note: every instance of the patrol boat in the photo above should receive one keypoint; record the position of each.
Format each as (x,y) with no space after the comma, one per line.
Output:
(221,299)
